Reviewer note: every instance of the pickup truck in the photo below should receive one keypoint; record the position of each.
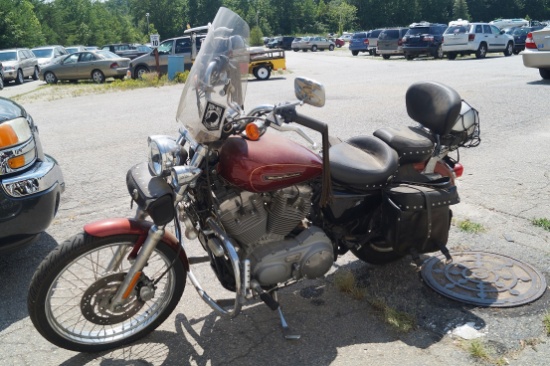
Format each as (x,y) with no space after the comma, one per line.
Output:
(263,61)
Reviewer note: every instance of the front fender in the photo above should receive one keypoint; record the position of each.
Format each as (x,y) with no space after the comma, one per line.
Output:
(122,226)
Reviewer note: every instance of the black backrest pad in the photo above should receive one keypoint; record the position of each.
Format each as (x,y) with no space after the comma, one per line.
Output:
(434,105)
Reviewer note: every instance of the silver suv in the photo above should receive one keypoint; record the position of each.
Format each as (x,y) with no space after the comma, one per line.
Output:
(180,46)
(464,38)
(47,54)
(19,63)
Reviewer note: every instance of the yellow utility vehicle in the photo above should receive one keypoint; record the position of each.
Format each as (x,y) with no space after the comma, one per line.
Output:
(263,61)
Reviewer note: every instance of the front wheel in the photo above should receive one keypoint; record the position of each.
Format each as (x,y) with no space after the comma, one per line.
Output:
(19,79)
(375,254)
(98,77)
(509,49)
(36,74)
(70,293)
(50,78)
(331,47)
(313,48)
(481,51)
(439,52)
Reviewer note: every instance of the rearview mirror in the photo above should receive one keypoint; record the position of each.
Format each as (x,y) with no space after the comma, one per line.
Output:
(309,91)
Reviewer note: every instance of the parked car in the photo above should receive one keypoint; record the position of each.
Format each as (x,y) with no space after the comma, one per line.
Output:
(283,42)
(424,39)
(19,63)
(465,38)
(520,34)
(358,43)
(338,42)
(1,76)
(180,46)
(47,54)
(31,183)
(91,48)
(390,42)
(372,37)
(509,23)
(95,65)
(295,45)
(313,43)
(346,37)
(128,50)
(74,49)
(537,52)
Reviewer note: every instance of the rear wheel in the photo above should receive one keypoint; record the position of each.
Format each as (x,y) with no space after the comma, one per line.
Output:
(50,78)
(1,83)
(313,48)
(98,77)
(409,57)
(544,73)
(386,57)
(36,74)
(70,293)
(295,50)
(354,53)
(140,70)
(451,55)
(19,79)
(331,47)
(376,254)
(481,51)
(439,52)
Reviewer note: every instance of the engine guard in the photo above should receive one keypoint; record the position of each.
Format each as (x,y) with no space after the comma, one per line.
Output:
(122,226)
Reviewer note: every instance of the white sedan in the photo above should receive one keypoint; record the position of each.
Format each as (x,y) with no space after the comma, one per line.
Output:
(537,52)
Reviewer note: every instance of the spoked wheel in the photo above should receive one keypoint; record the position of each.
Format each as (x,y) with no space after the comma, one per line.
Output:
(98,77)
(70,293)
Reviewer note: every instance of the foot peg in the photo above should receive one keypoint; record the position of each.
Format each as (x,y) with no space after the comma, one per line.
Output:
(273,303)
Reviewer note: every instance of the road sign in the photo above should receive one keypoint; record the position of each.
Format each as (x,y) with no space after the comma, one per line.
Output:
(155,40)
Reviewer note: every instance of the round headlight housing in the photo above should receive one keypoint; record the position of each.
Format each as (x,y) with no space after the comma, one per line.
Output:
(163,155)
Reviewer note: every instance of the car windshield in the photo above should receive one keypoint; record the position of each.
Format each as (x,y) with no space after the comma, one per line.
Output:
(8,56)
(456,29)
(217,80)
(520,31)
(107,54)
(389,34)
(43,53)
(359,36)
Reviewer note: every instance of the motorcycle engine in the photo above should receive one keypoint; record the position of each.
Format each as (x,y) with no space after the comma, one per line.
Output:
(270,232)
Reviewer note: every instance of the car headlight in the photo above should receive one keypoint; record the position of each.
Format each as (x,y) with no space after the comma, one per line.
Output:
(17,145)
(163,155)
(9,68)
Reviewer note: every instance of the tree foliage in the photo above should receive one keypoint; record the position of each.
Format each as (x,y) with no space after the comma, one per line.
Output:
(30,23)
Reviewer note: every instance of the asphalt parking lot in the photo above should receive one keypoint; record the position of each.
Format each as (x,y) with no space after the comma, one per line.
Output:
(97,138)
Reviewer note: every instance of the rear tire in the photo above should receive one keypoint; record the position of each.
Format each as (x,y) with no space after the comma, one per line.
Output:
(71,290)
(439,52)
(481,51)
(331,47)
(262,73)
(36,73)
(451,55)
(386,57)
(1,83)
(98,77)
(369,254)
(313,48)
(354,53)
(544,73)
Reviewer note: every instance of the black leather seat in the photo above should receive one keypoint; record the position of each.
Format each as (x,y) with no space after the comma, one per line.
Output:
(364,162)
(413,144)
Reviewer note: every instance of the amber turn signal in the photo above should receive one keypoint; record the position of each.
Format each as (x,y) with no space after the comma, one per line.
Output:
(252,132)
(8,137)
(16,162)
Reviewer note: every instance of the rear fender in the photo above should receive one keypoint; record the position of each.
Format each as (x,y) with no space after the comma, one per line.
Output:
(126,226)
(441,168)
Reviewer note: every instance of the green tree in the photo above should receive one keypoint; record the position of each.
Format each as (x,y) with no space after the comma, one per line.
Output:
(19,26)
(460,10)
(342,14)
(256,36)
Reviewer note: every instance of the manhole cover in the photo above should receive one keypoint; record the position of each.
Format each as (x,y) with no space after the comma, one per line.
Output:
(484,279)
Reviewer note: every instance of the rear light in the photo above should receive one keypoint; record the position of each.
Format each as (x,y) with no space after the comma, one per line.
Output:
(114,65)
(400,42)
(458,169)
(471,37)
(366,42)
(429,38)
(530,42)
(405,39)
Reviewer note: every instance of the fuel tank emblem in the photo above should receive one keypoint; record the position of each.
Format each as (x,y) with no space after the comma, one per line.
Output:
(280,176)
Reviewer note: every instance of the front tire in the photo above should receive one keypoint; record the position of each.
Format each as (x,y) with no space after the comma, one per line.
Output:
(439,52)
(509,49)
(70,292)
(481,51)
(331,48)
(313,48)
(1,83)
(544,73)
(19,79)
(36,74)
(50,78)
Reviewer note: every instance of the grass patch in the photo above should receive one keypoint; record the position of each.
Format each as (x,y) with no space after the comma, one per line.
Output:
(346,282)
(543,223)
(470,226)
(478,350)
(76,89)
(546,322)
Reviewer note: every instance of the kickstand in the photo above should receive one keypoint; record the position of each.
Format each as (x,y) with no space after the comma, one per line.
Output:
(287,332)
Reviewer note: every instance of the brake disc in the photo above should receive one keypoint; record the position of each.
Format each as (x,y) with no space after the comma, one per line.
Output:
(95,303)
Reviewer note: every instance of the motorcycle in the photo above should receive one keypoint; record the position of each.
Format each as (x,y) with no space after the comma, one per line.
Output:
(267,211)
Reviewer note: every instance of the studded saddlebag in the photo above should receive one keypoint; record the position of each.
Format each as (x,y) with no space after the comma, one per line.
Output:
(416,218)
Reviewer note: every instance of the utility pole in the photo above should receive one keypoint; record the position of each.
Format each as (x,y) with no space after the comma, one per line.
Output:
(147,16)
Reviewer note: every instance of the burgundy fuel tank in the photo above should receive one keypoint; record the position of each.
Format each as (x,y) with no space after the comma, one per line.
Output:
(271,163)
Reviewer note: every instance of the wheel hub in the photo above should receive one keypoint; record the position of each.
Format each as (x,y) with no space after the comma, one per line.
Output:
(96,301)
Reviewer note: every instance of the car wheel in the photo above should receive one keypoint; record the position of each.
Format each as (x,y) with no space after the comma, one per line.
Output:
(140,70)
(409,57)
(439,52)
(304,49)
(50,78)
(19,79)
(451,55)
(339,46)
(313,48)
(36,73)
(481,51)
(386,57)
(516,52)
(295,50)
(331,47)
(544,73)
(354,53)
(98,77)
(1,83)
(262,72)
(509,49)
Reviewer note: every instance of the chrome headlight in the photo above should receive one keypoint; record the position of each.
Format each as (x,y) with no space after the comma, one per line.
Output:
(184,175)
(17,145)
(163,155)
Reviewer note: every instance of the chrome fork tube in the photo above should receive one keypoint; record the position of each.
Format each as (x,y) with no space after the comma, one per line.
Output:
(155,235)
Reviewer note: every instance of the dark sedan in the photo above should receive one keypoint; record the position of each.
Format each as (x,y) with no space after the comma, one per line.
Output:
(520,34)
(31,182)
(128,50)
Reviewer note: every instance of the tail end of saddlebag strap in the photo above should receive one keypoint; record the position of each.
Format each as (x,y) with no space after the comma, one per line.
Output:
(417,218)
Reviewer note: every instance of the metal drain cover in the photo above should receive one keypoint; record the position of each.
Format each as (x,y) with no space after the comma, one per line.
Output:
(484,279)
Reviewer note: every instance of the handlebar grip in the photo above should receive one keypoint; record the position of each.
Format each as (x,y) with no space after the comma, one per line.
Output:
(289,114)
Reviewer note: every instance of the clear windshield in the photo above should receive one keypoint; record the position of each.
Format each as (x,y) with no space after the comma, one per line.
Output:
(217,81)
